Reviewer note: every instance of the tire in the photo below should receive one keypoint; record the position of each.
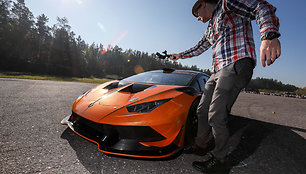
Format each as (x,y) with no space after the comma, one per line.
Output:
(191,129)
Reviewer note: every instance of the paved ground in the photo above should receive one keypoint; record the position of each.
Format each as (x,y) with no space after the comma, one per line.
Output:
(272,131)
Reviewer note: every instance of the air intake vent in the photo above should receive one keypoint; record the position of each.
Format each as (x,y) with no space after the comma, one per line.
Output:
(112,86)
(135,88)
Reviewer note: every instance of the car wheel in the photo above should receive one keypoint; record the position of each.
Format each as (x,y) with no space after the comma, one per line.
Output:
(191,124)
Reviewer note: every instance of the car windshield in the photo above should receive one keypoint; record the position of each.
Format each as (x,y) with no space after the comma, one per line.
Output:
(160,78)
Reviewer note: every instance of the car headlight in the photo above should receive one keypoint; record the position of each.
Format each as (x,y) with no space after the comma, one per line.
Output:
(146,107)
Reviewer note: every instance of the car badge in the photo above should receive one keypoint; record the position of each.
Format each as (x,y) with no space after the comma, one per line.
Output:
(133,99)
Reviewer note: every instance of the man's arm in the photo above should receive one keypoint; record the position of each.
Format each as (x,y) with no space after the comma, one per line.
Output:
(198,49)
(264,13)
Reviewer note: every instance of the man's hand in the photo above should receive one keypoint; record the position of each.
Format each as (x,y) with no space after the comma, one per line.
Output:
(270,50)
(174,57)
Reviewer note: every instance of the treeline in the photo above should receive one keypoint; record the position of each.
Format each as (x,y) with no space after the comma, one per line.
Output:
(269,84)
(28,44)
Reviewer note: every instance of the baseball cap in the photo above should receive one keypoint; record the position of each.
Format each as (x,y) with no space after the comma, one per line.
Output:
(196,7)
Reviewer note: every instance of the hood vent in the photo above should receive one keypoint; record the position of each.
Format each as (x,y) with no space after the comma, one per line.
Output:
(112,86)
(135,88)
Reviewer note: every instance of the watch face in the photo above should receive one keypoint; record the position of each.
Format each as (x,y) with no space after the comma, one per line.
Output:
(270,36)
(273,35)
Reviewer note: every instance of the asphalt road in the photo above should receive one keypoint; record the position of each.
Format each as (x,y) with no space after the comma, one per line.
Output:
(272,131)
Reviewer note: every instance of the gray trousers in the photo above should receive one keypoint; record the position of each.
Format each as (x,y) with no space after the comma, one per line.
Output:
(221,92)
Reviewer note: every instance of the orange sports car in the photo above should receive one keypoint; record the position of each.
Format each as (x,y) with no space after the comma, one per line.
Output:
(149,115)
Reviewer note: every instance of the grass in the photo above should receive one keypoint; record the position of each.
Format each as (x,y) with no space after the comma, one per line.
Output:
(19,75)
(301,91)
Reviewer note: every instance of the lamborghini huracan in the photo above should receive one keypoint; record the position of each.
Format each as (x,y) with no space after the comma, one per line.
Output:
(148,115)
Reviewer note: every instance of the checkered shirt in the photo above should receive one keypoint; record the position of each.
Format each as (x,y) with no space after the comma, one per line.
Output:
(230,33)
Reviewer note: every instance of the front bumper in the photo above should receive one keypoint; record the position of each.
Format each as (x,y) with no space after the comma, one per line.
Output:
(121,140)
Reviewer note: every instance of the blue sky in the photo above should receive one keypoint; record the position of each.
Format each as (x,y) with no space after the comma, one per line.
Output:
(158,25)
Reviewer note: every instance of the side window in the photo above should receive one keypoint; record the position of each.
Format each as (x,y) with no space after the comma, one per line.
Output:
(196,85)
(199,83)
(202,80)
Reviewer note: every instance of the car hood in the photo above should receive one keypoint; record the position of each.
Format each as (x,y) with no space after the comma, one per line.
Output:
(103,100)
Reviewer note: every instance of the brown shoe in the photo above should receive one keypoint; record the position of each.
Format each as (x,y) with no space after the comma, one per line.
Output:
(194,149)
(202,145)
(199,150)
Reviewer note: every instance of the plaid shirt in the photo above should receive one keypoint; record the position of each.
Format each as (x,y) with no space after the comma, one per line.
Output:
(230,33)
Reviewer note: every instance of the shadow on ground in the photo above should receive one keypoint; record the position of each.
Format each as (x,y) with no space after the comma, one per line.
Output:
(261,147)
(256,147)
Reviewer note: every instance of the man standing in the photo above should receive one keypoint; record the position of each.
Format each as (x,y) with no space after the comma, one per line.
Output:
(230,35)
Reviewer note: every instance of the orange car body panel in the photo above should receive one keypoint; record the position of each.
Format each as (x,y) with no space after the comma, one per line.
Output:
(109,107)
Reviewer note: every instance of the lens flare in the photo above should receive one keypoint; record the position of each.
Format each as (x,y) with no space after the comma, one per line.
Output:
(138,69)
(101,26)
(120,38)
(115,42)
(79,1)
(104,51)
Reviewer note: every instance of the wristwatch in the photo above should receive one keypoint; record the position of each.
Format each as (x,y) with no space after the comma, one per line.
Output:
(270,35)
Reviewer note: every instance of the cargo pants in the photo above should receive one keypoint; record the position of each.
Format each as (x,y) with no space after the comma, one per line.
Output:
(221,92)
